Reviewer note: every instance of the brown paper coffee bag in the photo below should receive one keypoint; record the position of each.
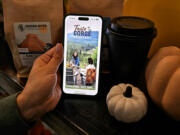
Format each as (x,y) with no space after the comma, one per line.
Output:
(31,27)
(105,8)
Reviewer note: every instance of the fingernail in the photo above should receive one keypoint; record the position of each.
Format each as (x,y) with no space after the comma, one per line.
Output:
(58,47)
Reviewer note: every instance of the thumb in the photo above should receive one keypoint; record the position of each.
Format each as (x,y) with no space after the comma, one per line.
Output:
(57,59)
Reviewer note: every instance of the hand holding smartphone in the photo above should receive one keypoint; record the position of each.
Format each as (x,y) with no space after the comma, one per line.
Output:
(82,47)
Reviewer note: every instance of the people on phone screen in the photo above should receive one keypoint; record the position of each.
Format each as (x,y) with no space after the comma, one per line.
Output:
(75,59)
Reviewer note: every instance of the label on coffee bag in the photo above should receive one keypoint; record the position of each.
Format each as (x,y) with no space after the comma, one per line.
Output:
(32,39)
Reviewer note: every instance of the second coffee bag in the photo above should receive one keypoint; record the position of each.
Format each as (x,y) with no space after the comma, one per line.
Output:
(31,27)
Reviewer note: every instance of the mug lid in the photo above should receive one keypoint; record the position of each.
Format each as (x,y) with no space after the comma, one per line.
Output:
(132,26)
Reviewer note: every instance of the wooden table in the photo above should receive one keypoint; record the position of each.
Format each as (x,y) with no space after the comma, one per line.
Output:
(81,115)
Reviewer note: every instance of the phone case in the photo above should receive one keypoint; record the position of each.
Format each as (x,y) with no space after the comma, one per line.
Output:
(84,15)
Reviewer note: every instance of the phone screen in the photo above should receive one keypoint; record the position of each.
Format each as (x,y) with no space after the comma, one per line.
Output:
(82,45)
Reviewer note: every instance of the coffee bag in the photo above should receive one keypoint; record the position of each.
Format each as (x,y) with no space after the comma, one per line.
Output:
(31,27)
(105,8)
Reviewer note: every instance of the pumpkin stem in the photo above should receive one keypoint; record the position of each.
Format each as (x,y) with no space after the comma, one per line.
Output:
(128,92)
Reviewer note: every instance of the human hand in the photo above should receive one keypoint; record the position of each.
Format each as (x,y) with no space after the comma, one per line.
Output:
(42,91)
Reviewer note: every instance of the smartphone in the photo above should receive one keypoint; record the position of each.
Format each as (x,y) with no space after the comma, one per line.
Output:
(82,48)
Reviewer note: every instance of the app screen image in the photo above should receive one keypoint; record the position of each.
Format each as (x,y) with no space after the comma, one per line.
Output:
(81,57)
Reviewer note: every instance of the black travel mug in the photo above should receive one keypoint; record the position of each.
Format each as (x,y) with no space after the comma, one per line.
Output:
(129,40)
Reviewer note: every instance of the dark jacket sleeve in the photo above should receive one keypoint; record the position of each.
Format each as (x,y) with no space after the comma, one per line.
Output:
(11,121)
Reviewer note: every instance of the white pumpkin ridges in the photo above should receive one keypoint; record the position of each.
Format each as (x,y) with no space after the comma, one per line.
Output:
(140,100)
(119,109)
(163,52)
(143,103)
(112,103)
(113,92)
(169,101)
(117,89)
(126,109)
(161,76)
(129,109)
(136,112)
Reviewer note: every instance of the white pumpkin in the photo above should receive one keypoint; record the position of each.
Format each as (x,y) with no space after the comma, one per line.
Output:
(126,103)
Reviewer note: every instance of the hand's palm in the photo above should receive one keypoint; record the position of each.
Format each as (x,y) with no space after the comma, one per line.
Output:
(42,91)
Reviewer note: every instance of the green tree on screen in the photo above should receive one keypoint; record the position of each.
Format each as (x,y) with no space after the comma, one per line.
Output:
(94,56)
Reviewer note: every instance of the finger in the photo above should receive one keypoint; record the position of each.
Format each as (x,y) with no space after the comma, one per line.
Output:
(57,59)
(46,57)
